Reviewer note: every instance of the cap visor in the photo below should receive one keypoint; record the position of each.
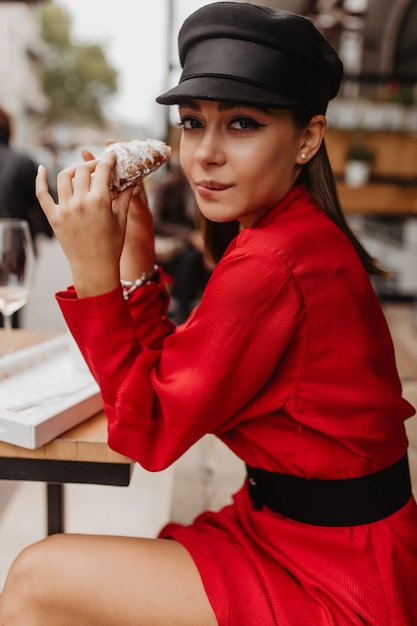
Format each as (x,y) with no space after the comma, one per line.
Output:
(225,89)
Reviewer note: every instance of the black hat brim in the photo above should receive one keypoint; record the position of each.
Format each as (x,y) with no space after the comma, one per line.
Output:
(225,89)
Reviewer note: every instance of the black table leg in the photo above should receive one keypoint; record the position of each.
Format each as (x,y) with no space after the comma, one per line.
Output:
(55,508)
(55,473)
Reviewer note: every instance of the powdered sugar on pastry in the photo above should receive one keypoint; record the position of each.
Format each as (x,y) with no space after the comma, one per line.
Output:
(136,159)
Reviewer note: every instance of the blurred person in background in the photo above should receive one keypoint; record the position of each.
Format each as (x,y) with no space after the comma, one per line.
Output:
(17,188)
(17,183)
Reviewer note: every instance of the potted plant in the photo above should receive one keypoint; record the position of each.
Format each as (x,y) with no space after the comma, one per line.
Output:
(358,164)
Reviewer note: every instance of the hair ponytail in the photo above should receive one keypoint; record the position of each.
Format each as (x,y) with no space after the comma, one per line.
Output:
(318,178)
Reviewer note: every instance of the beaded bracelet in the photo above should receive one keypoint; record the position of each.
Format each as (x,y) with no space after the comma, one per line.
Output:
(144,279)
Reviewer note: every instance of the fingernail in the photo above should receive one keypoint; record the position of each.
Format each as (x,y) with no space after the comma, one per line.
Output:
(40,168)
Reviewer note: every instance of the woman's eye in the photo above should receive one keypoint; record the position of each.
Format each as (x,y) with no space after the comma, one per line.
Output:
(244,123)
(189,123)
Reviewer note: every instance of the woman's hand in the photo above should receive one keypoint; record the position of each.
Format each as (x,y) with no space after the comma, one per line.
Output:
(138,254)
(89,225)
(139,249)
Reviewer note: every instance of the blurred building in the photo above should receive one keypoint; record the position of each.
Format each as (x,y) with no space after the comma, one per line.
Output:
(374,37)
(20,69)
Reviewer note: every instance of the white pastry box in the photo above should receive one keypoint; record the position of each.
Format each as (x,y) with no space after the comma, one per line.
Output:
(45,390)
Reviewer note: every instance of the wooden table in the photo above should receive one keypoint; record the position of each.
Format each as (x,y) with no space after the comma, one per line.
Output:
(81,455)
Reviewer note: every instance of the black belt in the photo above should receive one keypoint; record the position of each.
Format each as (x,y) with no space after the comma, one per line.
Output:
(345,502)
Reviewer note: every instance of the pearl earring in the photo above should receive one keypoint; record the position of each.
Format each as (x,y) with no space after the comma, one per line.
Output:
(303,155)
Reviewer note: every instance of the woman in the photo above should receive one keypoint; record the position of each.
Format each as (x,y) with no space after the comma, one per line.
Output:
(287,359)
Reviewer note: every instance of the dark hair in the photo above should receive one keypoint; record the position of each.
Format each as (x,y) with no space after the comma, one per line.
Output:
(5,126)
(317,177)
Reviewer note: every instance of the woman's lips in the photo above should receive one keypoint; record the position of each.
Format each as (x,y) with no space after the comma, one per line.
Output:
(210,188)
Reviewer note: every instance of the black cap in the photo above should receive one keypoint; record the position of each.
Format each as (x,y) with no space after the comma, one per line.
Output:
(256,55)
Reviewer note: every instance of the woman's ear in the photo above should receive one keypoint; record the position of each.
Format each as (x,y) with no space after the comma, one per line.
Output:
(312,137)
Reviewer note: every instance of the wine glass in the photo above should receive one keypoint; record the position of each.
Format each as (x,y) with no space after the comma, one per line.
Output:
(17,260)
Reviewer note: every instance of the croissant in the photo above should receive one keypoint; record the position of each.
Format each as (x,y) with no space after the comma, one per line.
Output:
(135,160)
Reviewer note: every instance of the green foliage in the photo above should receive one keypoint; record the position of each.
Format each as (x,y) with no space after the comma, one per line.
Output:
(360,152)
(77,77)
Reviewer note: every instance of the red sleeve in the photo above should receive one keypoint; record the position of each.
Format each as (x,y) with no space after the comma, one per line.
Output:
(163,396)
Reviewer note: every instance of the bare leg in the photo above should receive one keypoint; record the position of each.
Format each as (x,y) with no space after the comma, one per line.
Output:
(83,580)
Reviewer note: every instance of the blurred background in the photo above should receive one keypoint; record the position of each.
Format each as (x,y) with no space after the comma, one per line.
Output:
(74,74)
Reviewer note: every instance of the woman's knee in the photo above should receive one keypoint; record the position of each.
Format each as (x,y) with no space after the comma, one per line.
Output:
(26,582)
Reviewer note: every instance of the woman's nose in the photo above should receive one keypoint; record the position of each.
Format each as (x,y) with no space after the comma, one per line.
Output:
(209,150)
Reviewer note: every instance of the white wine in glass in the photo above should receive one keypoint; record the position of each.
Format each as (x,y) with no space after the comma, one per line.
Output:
(16,271)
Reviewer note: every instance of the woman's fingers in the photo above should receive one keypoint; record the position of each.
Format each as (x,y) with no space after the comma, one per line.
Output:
(42,192)
(82,178)
(102,175)
(122,201)
(84,198)
(140,195)
(87,155)
(76,183)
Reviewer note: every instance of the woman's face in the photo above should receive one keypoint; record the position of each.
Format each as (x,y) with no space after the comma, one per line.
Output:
(240,160)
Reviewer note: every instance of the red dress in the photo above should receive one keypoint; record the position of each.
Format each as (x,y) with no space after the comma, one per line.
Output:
(288,360)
